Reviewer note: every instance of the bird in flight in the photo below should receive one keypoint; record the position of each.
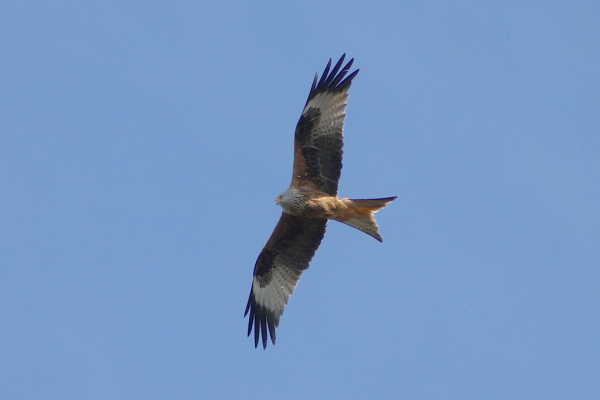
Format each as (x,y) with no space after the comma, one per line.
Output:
(309,202)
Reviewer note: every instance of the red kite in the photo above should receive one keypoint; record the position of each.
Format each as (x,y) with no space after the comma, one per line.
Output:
(308,203)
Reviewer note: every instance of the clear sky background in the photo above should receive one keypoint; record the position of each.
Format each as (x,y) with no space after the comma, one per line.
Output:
(142,146)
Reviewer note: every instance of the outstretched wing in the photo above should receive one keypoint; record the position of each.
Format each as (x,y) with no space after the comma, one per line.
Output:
(319,134)
(277,271)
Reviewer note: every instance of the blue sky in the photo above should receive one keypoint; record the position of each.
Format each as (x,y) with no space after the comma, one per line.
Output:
(142,146)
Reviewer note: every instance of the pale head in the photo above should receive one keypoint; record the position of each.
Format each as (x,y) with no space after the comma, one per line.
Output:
(287,200)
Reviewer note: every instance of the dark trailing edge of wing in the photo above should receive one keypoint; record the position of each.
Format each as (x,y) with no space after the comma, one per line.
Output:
(332,81)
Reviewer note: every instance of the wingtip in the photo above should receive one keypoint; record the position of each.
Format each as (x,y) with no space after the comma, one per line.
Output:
(263,325)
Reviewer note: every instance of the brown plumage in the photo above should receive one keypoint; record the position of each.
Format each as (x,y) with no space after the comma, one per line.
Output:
(308,203)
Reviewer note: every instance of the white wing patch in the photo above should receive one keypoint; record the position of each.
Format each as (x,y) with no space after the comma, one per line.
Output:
(276,294)
(332,106)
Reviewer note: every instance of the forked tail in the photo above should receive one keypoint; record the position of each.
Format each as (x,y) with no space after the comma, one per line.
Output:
(360,214)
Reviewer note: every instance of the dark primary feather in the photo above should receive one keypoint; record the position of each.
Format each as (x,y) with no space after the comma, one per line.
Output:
(320,140)
(287,254)
(331,82)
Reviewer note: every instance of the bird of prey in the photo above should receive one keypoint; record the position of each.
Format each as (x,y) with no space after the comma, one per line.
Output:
(309,202)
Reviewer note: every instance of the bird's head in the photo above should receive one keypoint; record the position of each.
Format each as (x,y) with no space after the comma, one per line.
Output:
(286,200)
